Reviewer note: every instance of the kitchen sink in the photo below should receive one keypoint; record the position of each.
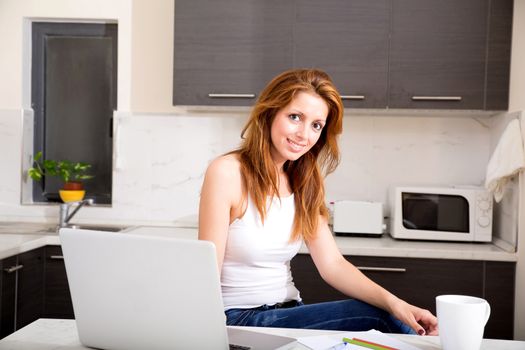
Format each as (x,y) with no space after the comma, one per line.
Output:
(109,228)
(51,229)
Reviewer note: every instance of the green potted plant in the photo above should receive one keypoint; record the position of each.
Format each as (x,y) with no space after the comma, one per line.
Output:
(71,173)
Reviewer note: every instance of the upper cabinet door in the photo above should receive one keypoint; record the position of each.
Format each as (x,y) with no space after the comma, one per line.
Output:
(438,54)
(227,51)
(349,40)
(498,55)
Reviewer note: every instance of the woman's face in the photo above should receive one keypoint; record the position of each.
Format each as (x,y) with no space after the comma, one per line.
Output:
(297,127)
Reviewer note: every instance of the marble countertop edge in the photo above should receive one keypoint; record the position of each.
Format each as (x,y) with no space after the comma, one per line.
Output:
(12,244)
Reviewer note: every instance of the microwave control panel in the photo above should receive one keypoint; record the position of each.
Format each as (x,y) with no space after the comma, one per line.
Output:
(483,216)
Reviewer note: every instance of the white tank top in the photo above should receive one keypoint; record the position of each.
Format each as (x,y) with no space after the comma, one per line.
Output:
(256,266)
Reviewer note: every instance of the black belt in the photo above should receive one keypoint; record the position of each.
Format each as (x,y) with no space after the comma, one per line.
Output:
(286,304)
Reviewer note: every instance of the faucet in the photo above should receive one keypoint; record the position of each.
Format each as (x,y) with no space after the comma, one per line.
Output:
(65,217)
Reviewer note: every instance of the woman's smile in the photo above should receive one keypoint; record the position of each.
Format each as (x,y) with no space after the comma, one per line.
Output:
(297,146)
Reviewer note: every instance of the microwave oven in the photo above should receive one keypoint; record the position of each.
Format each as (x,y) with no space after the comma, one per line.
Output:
(441,213)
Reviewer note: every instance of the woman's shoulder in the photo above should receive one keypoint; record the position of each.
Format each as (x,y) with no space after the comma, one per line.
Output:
(226,167)
(223,177)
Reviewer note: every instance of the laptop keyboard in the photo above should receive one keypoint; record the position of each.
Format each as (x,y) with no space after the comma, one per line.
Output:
(239,347)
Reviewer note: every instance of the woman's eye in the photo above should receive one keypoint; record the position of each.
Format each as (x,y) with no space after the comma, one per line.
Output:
(295,117)
(318,126)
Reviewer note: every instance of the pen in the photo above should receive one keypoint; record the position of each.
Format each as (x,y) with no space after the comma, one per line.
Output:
(367,344)
(339,346)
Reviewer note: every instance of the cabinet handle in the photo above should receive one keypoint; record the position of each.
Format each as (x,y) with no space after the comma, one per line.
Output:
(56,257)
(231,95)
(14,268)
(353,97)
(381,269)
(436,98)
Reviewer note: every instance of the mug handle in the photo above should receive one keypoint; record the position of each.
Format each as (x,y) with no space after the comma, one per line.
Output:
(487,313)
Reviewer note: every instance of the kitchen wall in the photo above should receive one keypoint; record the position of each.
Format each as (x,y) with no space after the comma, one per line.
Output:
(160,160)
(517,103)
(506,212)
(161,151)
(15,30)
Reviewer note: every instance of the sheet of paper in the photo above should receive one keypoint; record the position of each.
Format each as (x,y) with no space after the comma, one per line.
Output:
(325,342)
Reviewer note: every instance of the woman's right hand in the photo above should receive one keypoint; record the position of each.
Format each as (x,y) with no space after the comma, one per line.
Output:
(422,321)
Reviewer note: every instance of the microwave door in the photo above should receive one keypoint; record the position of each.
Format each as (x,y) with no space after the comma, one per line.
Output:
(436,216)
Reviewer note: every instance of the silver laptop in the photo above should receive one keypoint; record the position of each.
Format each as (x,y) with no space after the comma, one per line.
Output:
(147,292)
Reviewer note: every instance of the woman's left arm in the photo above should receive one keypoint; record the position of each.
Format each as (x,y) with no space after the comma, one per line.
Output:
(345,277)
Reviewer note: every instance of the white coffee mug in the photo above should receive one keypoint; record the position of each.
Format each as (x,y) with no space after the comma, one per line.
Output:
(461,321)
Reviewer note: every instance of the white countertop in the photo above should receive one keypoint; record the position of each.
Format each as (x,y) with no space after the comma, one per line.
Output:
(48,334)
(387,246)
(21,237)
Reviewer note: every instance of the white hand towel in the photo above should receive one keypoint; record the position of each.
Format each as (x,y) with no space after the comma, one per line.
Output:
(507,160)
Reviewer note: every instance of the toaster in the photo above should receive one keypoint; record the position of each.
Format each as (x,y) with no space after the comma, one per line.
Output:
(358,217)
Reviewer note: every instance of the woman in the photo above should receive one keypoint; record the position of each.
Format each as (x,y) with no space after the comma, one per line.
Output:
(261,201)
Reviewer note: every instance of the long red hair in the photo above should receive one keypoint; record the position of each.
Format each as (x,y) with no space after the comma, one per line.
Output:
(305,174)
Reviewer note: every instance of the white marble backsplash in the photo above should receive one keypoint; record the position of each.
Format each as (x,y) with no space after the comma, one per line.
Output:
(160,160)
(379,152)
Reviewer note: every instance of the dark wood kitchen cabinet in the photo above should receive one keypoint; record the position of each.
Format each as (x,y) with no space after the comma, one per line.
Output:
(499,43)
(235,47)
(30,279)
(381,54)
(7,296)
(226,51)
(22,293)
(419,281)
(33,285)
(450,54)
(349,40)
(57,300)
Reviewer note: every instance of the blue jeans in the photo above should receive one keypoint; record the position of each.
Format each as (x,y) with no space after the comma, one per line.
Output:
(343,315)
